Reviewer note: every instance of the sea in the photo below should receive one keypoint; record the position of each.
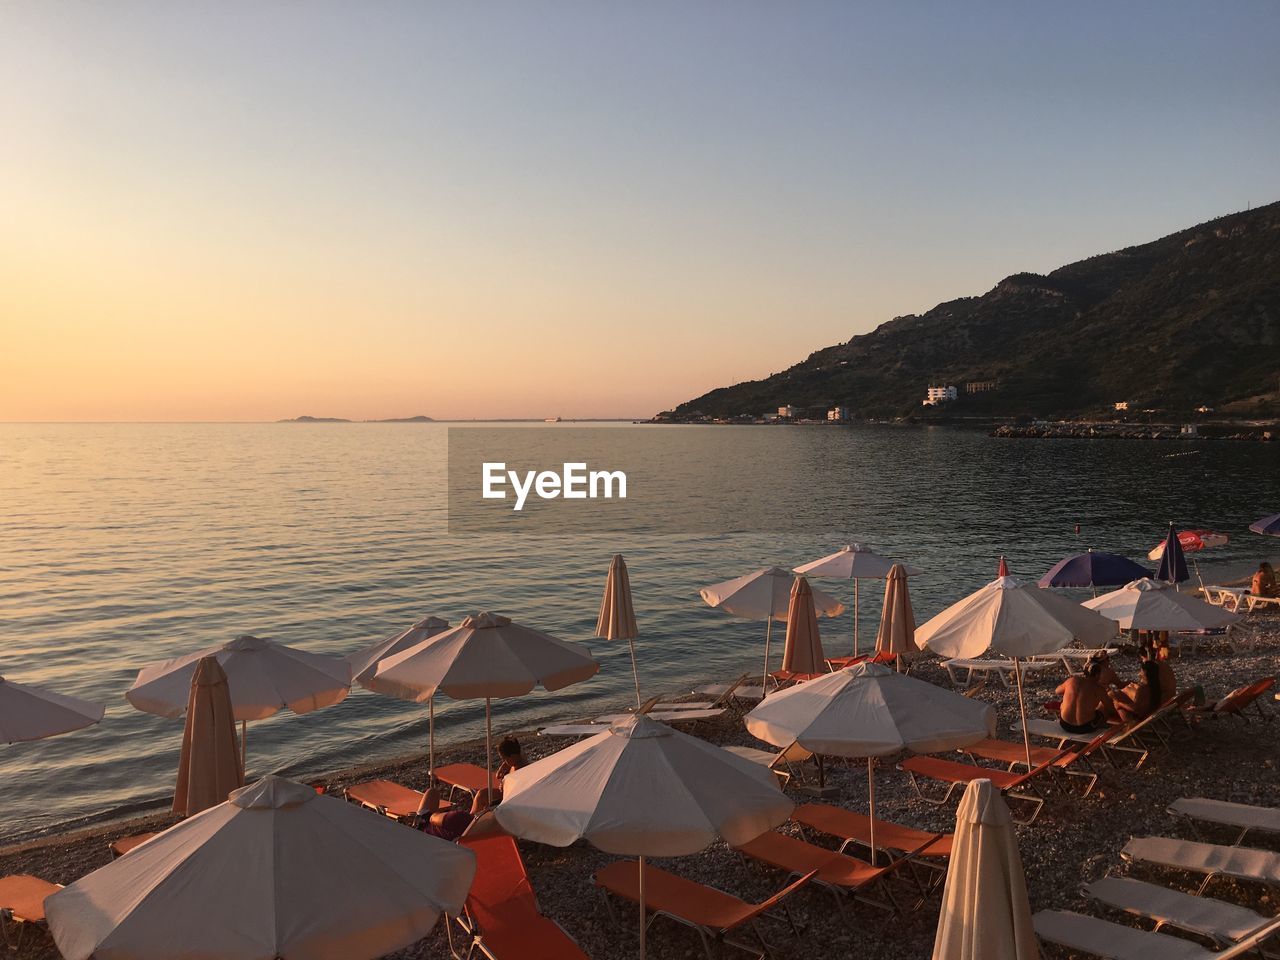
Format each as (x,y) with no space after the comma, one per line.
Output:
(124,544)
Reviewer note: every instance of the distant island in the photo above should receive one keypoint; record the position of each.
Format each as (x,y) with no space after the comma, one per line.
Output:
(306,419)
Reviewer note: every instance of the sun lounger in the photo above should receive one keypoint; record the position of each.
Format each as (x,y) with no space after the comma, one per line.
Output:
(385,797)
(1222,922)
(714,914)
(1071,658)
(1124,738)
(573,730)
(780,763)
(737,692)
(1101,938)
(502,920)
(1016,786)
(1010,753)
(1237,702)
(21,903)
(665,716)
(122,846)
(1001,668)
(853,828)
(1244,816)
(1253,602)
(1229,598)
(466,777)
(1209,860)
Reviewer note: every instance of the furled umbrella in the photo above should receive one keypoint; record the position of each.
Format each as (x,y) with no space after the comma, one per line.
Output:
(34,713)
(210,766)
(986,913)
(852,562)
(1093,569)
(1173,562)
(868,710)
(897,633)
(1016,619)
(264,677)
(275,871)
(617,618)
(802,652)
(1002,567)
(1154,605)
(764,595)
(364,663)
(642,789)
(1269,526)
(485,656)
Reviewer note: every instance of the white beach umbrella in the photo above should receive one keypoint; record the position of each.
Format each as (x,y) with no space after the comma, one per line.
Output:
(1016,619)
(642,789)
(276,871)
(487,656)
(765,595)
(33,713)
(986,914)
(868,710)
(264,677)
(854,562)
(1148,604)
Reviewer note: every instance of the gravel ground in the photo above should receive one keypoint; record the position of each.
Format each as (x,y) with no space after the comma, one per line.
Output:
(1073,842)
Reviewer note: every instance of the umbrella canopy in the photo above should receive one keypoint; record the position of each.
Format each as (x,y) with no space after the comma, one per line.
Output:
(1154,605)
(365,662)
(1013,618)
(1267,525)
(897,633)
(764,594)
(803,650)
(264,678)
(1092,569)
(1191,541)
(617,619)
(854,562)
(986,914)
(275,871)
(33,713)
(210,765)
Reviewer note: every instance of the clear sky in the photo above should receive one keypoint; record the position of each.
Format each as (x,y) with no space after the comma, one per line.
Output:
(258,210)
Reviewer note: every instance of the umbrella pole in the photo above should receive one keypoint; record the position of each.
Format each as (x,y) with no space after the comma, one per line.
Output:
(635,671)
(871,793)
(1022,709)
(431,741)
(642,906)
(488,744)
(244,736)
(855,616)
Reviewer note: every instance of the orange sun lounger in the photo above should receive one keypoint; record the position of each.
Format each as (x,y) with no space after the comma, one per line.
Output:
(855,828)
(1235,703)
(125,844)
(466,777)
(956,774)
(714,914)
(385,797)
(22,902)
(502,920)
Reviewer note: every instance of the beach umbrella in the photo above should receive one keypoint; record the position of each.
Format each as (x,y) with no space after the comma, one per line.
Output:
(487,656)
(276,871)
(33,713)
(1267,525)
(1191,541)
(364,663)
(1153,605)
(802,652)
(264,677)
(986,913)
(210,765)
(852,562)
(1016,619)
(868,710)
(764,595)
(642,789)
(1092,569)
(897,633)
(1002,568)
(617,619)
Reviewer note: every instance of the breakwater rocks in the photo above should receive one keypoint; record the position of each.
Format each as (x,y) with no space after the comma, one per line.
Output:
(1108,431)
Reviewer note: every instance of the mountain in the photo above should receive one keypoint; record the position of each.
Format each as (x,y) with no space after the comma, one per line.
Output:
(306,419)
(1189,320)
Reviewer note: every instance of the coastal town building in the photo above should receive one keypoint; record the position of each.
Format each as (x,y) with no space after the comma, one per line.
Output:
(1122,405)
(982,386)
(838,413)
(787,411)
(938,395)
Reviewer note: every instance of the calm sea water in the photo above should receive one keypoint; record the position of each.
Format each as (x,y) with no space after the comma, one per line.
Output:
(124,544)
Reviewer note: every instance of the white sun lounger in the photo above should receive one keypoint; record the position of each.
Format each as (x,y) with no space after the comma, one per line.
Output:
(1224,922)
(1001,668)
(1101,938)
(666,716)
(1071,658)
(779,763)
(1241,815)
(1209,859)
(573,730)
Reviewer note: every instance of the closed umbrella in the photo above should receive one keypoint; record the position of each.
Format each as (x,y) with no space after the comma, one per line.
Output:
(617,619)
(897,634)
(642,789)
(1173,562)
(852,562)
(868,710)
(1002,568)
(1093,569)
(264,677)
(1016,619)
(764,595)
(1270,526)
(1154,605)
(210,766)
(487,656)
(802,652)
(986,914)
(276,871)
(33,713)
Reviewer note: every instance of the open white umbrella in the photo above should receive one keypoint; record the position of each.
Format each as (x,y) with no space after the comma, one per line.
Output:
(1016,619)
(264,677)
(764,595)
(276,871)
(33,713)
(487,656)
(617,618)
(868,710)
(642,789)
(853,562)
(1148,604)
(986,914)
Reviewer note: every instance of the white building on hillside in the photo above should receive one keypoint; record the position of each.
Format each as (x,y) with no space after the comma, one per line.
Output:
(787,411)
(838,413)
(938,395)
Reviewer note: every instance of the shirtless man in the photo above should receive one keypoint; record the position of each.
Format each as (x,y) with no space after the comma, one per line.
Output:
(1085,703)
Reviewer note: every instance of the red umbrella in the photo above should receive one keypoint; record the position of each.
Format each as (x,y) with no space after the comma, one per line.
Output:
(1002,568)
(1191,541)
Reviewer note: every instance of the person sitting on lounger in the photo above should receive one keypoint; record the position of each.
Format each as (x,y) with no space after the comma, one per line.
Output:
(1138,700)
(448,823)
(512,758)
(1085,704)
(1264,581)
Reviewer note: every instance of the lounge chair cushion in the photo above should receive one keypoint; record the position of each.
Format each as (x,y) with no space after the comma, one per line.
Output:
(464,776)
(396,800)
(23,896)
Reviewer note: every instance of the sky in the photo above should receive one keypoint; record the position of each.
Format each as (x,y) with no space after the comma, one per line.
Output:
(249,211)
